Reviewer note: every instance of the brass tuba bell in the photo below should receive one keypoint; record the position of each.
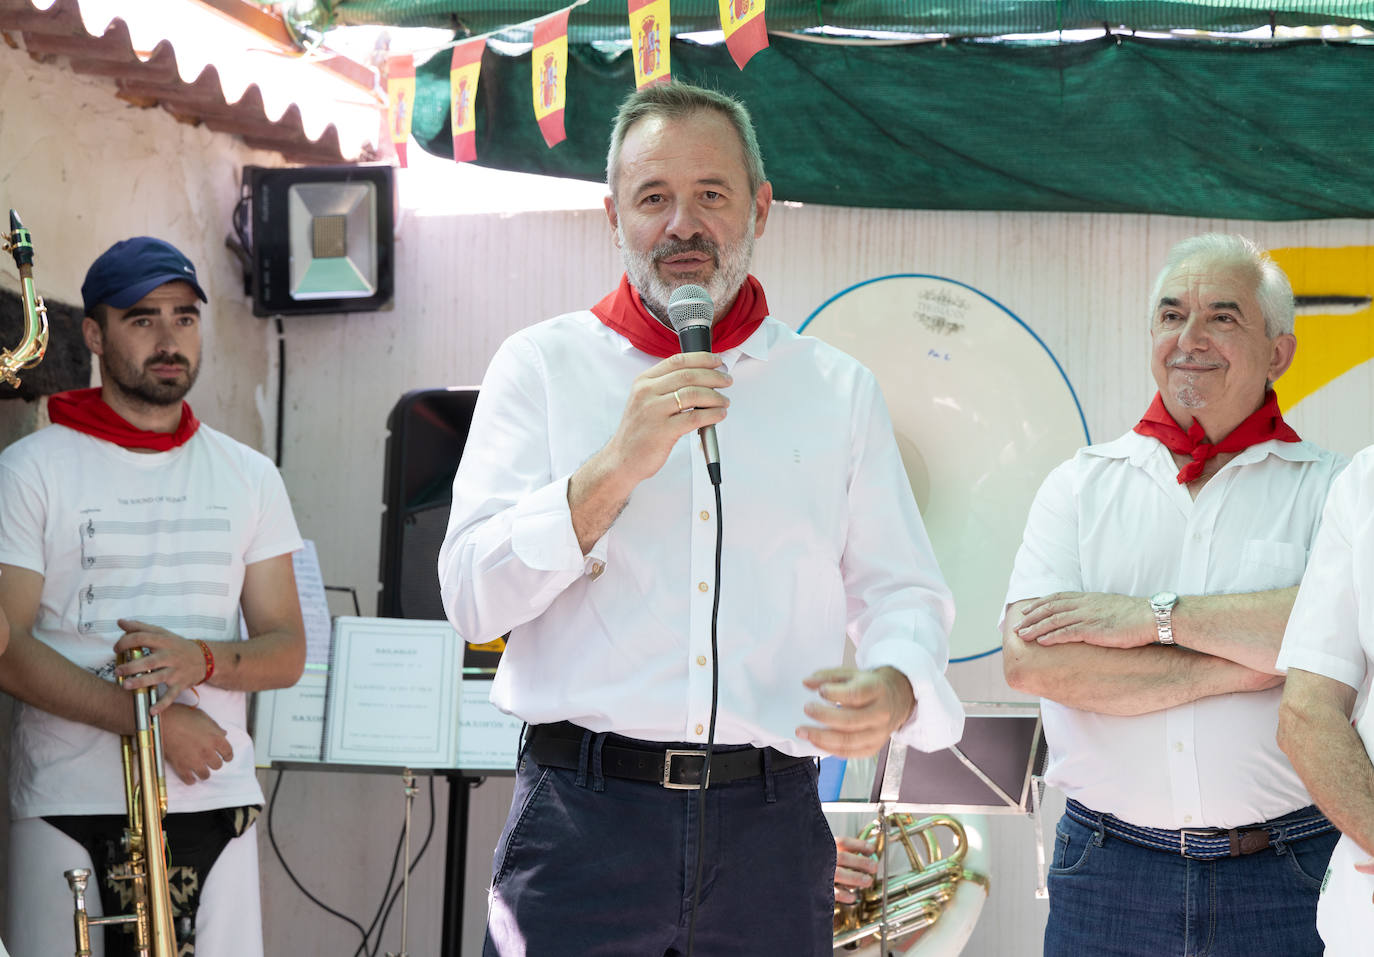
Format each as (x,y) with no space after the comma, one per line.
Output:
(914,899)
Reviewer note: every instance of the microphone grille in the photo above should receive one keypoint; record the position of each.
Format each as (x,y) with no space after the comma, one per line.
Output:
(690,306)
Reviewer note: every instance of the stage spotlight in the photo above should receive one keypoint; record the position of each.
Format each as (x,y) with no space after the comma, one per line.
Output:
(321,238)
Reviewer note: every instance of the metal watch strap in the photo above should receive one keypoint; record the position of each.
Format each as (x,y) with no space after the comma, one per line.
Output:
(1164,621)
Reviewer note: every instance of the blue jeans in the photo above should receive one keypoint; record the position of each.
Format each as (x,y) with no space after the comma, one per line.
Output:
(1112,898)
(590,865)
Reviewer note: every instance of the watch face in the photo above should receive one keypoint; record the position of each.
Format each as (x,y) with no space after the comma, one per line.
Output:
(1164,599)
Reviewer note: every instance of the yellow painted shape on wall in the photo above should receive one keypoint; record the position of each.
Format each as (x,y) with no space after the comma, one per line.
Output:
(1329,345)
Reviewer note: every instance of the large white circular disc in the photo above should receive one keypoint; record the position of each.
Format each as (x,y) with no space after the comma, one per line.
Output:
(982,413)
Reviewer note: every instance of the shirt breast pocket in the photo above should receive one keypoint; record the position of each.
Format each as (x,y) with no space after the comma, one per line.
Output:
(1265,565)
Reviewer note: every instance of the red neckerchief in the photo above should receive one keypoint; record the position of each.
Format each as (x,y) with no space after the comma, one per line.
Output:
(625,312)
(1263,424)
(85,411)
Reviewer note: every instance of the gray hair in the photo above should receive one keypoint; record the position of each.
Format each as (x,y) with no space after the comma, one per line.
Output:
(1216,252)
(674,101)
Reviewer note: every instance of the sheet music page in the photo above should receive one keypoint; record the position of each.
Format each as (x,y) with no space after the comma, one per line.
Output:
(393,697)
(314,607)
(288,723)
(487,738)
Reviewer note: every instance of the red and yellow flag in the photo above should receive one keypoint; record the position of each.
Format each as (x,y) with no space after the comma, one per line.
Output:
(462,98)
(649,35)
(549,74)
(400,98)
(745,32)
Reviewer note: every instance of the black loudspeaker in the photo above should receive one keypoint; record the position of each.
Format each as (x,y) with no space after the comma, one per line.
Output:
(426,432)
(322,238)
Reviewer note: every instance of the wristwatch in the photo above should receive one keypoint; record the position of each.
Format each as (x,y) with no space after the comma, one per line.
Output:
(1162,604)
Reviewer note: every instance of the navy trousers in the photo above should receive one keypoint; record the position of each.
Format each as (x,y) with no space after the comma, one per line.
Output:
(590,865)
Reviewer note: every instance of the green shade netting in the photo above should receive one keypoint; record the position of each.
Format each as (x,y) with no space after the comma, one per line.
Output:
(606,19)
(1199,128)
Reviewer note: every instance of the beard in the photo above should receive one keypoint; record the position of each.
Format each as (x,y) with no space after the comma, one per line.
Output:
(731,268)
(139,385)
(1188,390)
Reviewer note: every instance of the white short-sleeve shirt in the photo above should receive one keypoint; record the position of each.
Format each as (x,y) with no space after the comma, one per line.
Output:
(1115,519)
(160,537)
(1331,633)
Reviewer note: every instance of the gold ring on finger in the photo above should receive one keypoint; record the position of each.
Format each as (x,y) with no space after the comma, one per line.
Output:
(678,398)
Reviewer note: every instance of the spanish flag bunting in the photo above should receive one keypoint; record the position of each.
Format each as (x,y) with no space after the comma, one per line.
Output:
(400,95)
(649,34)
(462,94)
(549,74)
(745,32)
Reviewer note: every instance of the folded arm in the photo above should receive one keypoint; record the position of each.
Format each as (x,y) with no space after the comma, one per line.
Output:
(39,676)
(1315,733)
(1244,628)
(1116,680)
(193,743)
(272,657)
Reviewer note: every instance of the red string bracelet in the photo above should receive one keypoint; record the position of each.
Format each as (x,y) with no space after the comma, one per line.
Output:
(209,661)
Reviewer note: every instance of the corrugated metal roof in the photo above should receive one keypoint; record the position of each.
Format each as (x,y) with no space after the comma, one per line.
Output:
(225,63)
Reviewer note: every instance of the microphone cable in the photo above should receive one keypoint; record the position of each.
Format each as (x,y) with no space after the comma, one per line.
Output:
(711,727)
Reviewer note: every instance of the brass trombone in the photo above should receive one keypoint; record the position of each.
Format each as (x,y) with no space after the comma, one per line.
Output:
(914,899)
(144,843)
(29,351)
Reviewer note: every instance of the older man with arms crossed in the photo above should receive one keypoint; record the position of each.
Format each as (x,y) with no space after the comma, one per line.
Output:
(1328,653)
(1146,608)
(584,523)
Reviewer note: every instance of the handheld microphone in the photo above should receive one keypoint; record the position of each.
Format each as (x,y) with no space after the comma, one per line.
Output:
(690,311)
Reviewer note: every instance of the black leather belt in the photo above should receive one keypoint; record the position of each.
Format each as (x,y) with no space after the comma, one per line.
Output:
(560,746)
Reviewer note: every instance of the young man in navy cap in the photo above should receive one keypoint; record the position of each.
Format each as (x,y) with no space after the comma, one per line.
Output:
(129,524)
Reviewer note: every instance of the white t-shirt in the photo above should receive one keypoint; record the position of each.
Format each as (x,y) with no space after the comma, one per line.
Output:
(1114,519)
(160,537)
(822,538)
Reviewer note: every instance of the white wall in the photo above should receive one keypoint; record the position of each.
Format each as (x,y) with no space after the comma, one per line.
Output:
(87,169)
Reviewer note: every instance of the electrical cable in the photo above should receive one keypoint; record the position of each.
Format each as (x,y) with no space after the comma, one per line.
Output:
(272,839)
(281,385)
(710,735)
(366,948)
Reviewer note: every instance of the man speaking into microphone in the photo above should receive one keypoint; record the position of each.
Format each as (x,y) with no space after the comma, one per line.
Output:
(651,611)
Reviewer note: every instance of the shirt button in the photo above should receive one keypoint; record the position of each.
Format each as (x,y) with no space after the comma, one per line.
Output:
(1178,745)
(705,515)
(1187,818)
(1197,536)
(702,586)
(701,659)
(597,569)
(699,729)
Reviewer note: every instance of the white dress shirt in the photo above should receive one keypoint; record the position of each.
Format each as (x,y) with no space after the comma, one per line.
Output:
(821,538)
(1331,633)
(1114,519)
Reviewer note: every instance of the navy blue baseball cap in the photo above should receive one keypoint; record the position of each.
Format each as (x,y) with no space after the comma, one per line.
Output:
(132,268)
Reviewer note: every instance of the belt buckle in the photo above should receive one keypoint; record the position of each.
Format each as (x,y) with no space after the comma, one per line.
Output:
(1195,832)
(668,756)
